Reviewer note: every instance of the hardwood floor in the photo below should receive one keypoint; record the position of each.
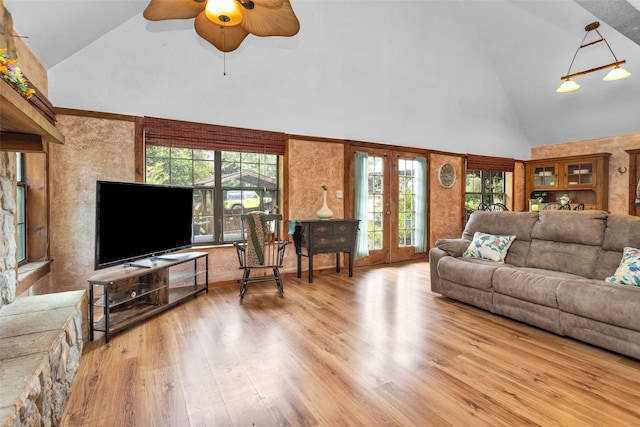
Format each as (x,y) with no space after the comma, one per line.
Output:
(378,349)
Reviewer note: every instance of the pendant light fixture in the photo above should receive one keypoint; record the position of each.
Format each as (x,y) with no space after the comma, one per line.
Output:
(568,85)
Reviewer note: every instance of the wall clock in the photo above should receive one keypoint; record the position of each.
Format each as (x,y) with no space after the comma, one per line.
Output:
(447,175)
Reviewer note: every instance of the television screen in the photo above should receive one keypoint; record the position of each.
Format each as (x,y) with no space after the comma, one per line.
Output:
(136,221)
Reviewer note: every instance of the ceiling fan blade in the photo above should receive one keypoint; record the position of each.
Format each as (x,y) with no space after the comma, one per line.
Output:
(268,3)
(160,10)
(225,39)
(271,21)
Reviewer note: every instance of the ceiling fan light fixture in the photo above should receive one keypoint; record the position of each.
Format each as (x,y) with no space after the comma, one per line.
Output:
(223,12)
(616,74)
(568,86)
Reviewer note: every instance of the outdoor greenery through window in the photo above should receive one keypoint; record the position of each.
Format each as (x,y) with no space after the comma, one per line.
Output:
(407,187)
(226,184)
(21,204)
(375,208)
(482,189)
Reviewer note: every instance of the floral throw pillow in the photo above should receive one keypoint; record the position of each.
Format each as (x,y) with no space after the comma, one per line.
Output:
(488,246)
(628,272)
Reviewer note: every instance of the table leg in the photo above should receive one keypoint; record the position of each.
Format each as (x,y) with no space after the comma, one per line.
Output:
(337,262)
(310,267)
(350,264)
(90,312)
(299,265)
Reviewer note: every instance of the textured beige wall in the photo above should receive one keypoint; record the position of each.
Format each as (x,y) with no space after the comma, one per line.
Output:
(95,149)
(616,145)
(446,215)
(312,163)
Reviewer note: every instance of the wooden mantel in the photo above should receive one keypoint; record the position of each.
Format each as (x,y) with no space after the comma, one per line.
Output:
(22,126)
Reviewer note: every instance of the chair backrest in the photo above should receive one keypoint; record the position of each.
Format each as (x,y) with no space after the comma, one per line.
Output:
(497,207)
(260,238)
(557,206)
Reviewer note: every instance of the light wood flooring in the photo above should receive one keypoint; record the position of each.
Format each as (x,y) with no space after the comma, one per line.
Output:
(378,349)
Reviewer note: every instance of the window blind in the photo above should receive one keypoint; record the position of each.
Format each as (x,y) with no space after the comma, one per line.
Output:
(201,136)
(489,163)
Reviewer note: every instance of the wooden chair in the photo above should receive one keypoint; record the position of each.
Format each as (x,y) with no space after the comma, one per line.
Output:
(579,207)
(557,206)
(260,247)
(497,207)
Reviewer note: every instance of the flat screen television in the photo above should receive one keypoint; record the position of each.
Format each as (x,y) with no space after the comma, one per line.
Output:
(136,221)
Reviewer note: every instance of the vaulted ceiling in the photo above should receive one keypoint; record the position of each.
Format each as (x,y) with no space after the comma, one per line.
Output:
(473,76)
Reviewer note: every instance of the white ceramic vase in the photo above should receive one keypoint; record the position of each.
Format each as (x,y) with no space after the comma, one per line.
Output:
(324,212)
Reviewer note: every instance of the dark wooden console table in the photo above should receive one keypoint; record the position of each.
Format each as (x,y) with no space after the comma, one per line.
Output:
(325,236)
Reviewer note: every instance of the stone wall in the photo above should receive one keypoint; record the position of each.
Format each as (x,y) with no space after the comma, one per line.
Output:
(8,246)
(41,343)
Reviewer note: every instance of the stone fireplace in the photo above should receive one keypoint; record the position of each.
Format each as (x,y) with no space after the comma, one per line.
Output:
(8,268)
(41,336)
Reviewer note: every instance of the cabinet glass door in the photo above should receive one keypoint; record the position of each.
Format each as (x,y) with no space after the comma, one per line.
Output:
(544,176)
(580,174)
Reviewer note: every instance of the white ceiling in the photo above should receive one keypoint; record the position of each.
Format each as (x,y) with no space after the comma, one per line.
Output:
(391,61)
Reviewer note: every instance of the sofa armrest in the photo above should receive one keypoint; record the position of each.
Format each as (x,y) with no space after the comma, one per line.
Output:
(453,247)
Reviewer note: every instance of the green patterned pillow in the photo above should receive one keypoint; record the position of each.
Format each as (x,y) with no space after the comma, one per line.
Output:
(488,246)
(628,272)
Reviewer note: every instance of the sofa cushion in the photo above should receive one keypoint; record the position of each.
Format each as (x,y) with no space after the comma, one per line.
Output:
(570,258)
(607,263)
(517,224)
(492,247)
(598,300)
(469,272)
(583,227)
(621,231)
(628,272)
(535,286)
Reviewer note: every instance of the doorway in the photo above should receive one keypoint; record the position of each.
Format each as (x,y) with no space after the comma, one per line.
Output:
(395,215)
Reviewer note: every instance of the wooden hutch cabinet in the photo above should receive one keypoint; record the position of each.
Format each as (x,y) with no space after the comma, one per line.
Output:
(585,179)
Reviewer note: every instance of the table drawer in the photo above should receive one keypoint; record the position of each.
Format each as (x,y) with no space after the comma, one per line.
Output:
(338,243)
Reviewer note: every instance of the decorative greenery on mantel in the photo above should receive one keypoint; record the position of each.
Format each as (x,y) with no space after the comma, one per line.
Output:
(11,73)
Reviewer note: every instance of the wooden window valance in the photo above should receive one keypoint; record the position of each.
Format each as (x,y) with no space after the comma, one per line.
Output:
(201,136)
(489,163)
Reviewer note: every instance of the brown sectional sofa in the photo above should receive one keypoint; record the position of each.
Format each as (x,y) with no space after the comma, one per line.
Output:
(553,274)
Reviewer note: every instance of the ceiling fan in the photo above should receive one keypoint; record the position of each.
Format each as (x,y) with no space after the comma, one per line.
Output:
(226,23)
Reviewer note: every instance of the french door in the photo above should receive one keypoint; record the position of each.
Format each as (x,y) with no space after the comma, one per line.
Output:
(395,217)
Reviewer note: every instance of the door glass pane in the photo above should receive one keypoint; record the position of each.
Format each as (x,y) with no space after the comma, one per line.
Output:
(375,206)
(406,201)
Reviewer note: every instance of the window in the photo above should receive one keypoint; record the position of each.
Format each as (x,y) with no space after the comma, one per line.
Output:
(483,188)
(232,170)
(226,184)
(21,208)
(488,180)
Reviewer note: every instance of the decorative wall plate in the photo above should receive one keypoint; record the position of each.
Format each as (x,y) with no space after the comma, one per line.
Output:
(447,175)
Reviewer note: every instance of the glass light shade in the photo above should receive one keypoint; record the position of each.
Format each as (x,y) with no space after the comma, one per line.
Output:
(223,12)
(568,86)
(616,74)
